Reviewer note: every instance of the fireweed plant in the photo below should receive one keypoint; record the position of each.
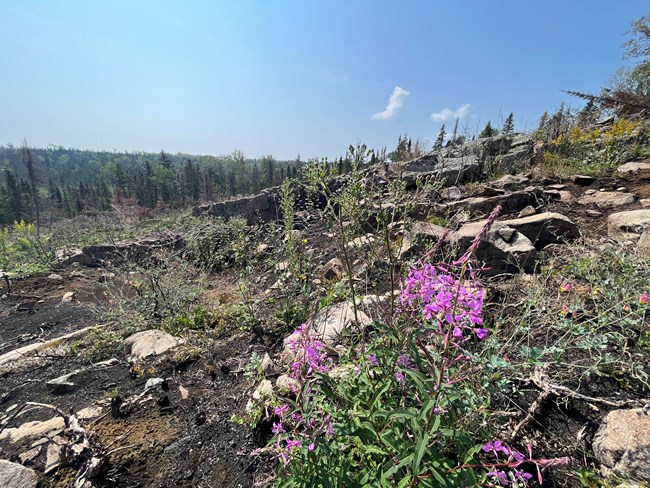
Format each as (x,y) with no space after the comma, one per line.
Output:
(402,409)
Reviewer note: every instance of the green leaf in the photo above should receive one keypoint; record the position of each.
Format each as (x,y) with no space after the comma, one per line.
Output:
(420,448)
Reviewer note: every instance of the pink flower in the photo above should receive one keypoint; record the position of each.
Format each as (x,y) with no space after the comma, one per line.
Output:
(566,288)
(644,298)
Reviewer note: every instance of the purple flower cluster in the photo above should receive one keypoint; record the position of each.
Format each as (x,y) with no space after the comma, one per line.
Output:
(511,460)
(446,300)
(296,430)
(309,354)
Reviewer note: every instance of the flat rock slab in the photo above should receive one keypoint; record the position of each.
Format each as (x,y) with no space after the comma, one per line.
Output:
(149,343)
(628,226)
(13,475)
(622,443)
(607,199)
(635,167)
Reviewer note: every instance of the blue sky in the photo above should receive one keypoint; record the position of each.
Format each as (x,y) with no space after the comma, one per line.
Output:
(288,77)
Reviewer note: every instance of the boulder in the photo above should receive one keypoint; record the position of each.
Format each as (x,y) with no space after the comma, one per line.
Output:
(622,443)
(638,168)
(607,198)
(545,228)
(285,385)
(13,475)
(330,323)
(332,270)
(628,226)
(502,250)
(255,209)
(510,203)
(149,343)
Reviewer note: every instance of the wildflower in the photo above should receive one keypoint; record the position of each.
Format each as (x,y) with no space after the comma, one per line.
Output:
(644,298)
(281,410)
(500,476)
(495,447)
(566,288)
(404,361)
(522,476)
(399,376)
(372,359)
(277,428)
(293,444)
(564,309)
(311,446)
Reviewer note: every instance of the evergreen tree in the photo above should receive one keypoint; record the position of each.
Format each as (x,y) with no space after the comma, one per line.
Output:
(509,125)
(488,131)
(440,139)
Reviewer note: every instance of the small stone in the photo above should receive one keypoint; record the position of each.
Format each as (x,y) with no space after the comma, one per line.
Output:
(621,188)
(69,297)
(645,202)
(263,390)
(332,270)
(593,213)
(557,186)
(28,457)
(583,180)
(153,383)
(282,266)
(527,212)
(590,192)
(185,394)
(55,277)
(62,384)
(268,366)
(286,385)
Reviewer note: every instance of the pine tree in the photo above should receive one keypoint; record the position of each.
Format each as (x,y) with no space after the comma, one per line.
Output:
(509,125)
(454,135)
(440,139)
(488,131)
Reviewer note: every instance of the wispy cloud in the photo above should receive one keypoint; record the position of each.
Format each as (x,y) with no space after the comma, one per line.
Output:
(395,102)
(449,114)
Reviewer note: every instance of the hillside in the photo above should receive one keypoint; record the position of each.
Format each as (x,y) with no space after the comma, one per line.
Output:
(471,317)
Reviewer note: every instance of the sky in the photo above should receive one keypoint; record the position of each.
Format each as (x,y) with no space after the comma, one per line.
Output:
(288,77)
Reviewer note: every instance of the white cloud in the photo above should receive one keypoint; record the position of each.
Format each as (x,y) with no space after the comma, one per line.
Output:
(449,114)
(395,102)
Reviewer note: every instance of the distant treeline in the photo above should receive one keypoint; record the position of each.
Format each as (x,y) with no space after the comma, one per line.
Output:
(73,181)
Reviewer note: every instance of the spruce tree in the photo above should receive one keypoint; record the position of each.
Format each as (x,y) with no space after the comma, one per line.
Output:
(509,125)
(440,139)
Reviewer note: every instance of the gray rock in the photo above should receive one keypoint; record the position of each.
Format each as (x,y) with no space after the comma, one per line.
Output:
(153,383)
(510,182)
(644,243)
(635,167)
(527,212)
(255,209)
(607,199)
(149,343)
(13,475)
(63,384)
(499,254)
(583,180)
(332,270)
(510,203)
(330,323)
(626,226)
(545,228)
(286,385)
(68,297)
(55,277)
(622,443)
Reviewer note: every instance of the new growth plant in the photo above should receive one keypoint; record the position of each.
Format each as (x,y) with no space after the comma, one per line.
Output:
(403,410)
